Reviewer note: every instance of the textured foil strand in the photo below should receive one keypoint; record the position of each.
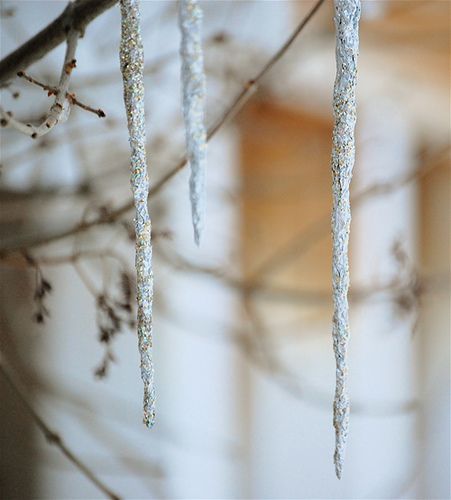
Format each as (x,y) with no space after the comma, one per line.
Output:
(347,15)
(194,92)
(132,67)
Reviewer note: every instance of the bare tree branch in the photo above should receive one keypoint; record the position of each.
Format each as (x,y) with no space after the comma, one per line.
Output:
(69,95)
(411,284)
(237,104)
(77,16)
(51,436)
(256,352)
(60,109)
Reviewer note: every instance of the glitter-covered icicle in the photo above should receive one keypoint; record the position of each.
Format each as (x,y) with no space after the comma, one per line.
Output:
(347,15)
(194,96)
(132,67)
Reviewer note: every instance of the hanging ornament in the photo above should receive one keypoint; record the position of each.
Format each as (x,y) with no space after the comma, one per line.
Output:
(194,92)
(132,67)
(347,15)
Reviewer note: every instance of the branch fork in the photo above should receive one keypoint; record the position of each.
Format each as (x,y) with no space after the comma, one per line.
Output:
(60,109)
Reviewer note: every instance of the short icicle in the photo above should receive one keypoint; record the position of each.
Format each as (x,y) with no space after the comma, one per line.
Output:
(194,96)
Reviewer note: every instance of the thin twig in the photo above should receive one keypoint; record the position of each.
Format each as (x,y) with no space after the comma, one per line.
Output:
(393,288)
(69,95)
(47,88)
(51,436)
(75,102)
(60,109)
(85,279)
(290,382)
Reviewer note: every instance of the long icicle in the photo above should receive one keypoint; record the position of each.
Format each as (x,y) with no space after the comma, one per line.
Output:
(347,15)
(194,91)
(132,67)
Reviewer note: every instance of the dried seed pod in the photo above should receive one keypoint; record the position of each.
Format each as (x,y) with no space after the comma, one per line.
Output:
(347,15)
(132,67)
(194,96)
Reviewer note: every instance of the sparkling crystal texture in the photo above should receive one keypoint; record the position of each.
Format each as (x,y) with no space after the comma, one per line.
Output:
(194,92)
(132,68)
(347,16)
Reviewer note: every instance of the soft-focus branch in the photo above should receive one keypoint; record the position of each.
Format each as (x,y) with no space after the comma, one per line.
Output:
(237,104)
(77,16)
(255,344)
(404,285)
(51,436)
(287,380)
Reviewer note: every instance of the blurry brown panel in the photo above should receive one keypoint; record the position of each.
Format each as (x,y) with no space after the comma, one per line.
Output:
(286,186)
(435,222)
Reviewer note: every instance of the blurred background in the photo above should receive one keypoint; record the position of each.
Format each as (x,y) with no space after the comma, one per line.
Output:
(243,350)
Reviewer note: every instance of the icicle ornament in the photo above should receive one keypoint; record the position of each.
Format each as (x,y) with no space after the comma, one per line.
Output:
(194,92)
(347,15)
(132,67)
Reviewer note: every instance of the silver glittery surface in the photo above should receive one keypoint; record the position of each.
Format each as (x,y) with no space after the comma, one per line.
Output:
(347,15)
(194,91)
(132,67)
